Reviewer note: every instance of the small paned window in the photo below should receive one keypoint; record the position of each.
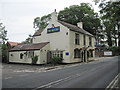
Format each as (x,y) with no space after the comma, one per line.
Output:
(76,53)
(30,54)
(77,39)
(91,53)
(57,54)
(84,41)
(90,41)
(88,54)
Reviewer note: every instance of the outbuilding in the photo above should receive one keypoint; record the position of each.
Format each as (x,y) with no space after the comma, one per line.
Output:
(23,53)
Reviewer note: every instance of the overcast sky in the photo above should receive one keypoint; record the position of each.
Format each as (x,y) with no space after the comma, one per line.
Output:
(18,15)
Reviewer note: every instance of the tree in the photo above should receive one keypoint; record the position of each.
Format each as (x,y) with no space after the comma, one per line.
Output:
(3,33)
(4,52)
(111,20)
(41,22)
(84,12)
(3,37)
(28,40)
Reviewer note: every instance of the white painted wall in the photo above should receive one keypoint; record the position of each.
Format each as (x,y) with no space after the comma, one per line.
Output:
(16,57)
(58,40)
(42,56)
(73,46)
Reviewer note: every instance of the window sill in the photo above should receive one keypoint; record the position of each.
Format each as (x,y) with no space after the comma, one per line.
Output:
(76,57)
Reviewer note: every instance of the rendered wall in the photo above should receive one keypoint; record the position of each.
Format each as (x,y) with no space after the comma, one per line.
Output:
(73,46)
(42,56)
(58,40)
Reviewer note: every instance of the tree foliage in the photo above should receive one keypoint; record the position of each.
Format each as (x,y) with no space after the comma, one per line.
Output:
(28,40)
(84,12)
(110,15)
(4,52)
(3,33)
(3,38)
(41,22)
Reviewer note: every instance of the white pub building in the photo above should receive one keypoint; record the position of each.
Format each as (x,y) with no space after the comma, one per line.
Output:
(59,38)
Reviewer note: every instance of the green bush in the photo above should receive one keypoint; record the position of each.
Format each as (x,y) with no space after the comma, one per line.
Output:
(56,60)
(4,53)
(34,59)
(115,50)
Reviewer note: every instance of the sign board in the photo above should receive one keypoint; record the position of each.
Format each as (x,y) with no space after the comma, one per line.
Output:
(53,29)
(107,53)
(67,53)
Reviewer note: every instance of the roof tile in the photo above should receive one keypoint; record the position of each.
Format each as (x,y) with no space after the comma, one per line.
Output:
(31,46)
(74,28)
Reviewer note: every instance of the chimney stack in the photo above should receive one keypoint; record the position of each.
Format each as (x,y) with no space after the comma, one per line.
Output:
(80,25)
(54,16)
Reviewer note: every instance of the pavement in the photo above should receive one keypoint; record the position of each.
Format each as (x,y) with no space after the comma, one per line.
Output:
(39,76)
(12,67)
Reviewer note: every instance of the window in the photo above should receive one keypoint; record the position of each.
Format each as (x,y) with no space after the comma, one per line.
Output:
(57,54)
(90,41)
(76,53)
(91,53)
(88,54)
(30,54)
(77,39)
(21,56)
(84,41)
(66,33)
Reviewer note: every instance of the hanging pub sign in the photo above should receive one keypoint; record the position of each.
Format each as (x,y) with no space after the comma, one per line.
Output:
(53,29)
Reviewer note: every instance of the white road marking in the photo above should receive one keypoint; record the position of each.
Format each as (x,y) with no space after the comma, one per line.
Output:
(114,81)
(64,79)
(23,75)
(8,77)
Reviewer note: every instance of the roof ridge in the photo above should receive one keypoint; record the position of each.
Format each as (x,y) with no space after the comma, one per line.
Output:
(67,23)
(80,29)
(30,46)
(38,32)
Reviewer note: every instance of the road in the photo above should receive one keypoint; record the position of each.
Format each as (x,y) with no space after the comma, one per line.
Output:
(91,75)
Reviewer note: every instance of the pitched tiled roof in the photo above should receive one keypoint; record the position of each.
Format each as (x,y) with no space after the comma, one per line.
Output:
(25,47)
(14,43)
(38,32)
(74,28)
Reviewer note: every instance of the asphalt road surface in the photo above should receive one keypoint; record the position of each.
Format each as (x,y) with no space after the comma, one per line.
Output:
(91,75)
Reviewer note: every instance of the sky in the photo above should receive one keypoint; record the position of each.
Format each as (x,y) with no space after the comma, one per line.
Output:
(18,15)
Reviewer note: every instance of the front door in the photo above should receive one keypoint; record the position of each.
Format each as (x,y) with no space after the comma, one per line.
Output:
(82,59)
(49,55)
(84,56)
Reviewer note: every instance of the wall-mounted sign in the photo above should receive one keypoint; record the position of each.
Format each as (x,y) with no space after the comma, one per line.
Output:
(67,53)
(53,29)
(108,53)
